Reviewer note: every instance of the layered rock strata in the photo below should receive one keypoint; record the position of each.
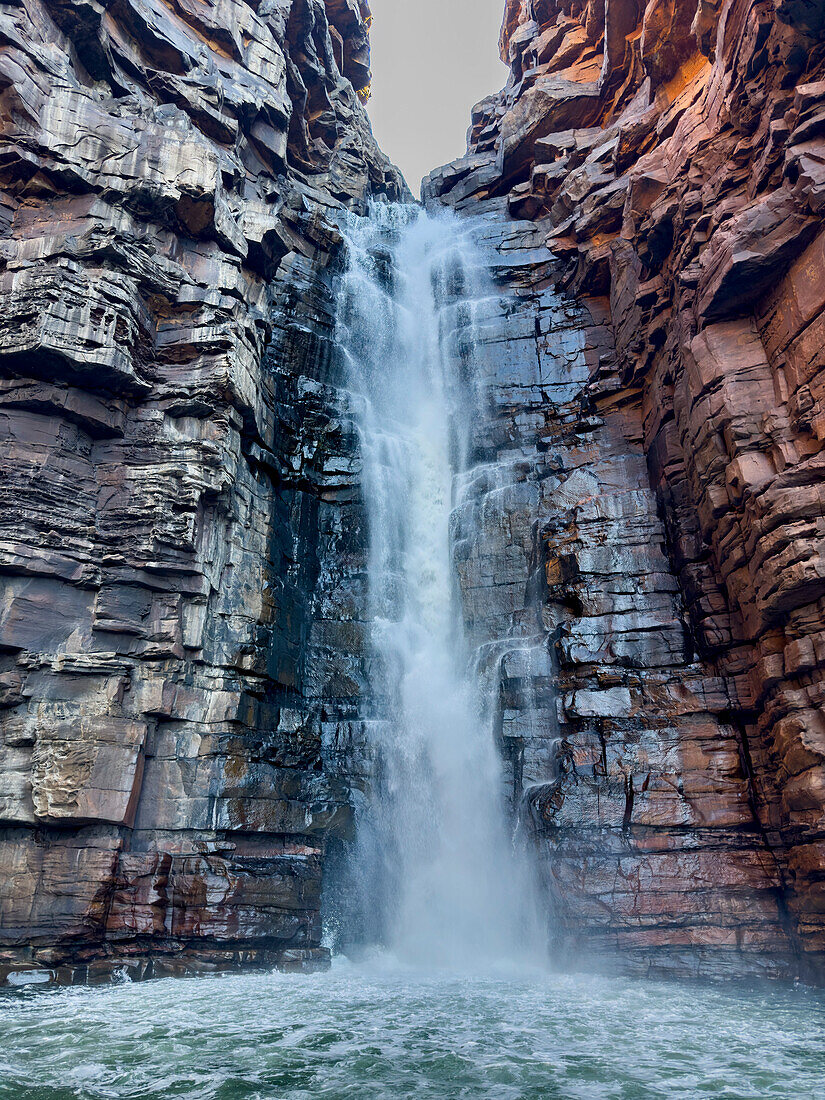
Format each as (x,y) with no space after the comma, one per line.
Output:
(654,174)
(184,665)
(171,176)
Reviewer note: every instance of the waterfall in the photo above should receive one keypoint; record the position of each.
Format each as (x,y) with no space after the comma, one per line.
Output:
(440,877)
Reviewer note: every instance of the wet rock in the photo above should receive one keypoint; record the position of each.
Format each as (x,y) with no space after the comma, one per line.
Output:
(674,424)
(171,181)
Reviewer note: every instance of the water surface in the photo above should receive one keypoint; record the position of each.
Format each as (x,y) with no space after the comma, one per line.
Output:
(384,1031)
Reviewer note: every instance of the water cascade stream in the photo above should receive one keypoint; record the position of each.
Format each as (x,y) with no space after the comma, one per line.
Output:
(436,858)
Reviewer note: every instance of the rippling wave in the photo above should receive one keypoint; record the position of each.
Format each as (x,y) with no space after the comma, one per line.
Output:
(379,1030)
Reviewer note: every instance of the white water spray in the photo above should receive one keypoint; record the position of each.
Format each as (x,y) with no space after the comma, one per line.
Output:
(437,856)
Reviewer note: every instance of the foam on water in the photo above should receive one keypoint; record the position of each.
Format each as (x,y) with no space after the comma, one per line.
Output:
(381,1030)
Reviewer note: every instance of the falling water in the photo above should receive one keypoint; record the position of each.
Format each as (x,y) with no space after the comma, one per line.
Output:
(437,859)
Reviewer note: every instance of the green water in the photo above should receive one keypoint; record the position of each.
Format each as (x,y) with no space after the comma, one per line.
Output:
(382,1031)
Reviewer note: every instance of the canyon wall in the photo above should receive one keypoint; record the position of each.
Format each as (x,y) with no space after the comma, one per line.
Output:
(171,175)
(185,665)
(653,178)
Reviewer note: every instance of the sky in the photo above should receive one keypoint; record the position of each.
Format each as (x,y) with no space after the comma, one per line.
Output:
(432,60)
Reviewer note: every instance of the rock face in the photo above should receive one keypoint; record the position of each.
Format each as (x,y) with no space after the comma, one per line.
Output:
(653,177)
(171,175)
(184,662)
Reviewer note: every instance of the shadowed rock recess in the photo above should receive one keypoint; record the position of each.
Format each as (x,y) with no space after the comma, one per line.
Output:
(184,656)
(667,163)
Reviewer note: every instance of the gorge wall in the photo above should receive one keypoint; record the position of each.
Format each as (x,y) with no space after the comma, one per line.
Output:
(170,178)
(185,664)
(653,176)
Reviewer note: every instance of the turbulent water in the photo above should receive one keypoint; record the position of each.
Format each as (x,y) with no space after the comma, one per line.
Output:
(436,864)
(381,1032)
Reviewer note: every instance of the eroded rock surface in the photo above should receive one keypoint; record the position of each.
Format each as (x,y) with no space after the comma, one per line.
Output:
(653,177)
(184,663)
(171,175)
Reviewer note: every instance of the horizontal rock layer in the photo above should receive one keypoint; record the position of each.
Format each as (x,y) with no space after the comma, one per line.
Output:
(669,158)
(171,175)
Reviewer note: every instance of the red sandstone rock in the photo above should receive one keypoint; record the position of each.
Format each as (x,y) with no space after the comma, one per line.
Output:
(169,181)
(681,192)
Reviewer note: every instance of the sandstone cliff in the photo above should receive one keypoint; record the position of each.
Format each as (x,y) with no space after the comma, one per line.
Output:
(184,661)
(169,178)
(664,162)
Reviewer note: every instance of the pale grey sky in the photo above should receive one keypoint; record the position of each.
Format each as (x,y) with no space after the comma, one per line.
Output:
(431,61)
